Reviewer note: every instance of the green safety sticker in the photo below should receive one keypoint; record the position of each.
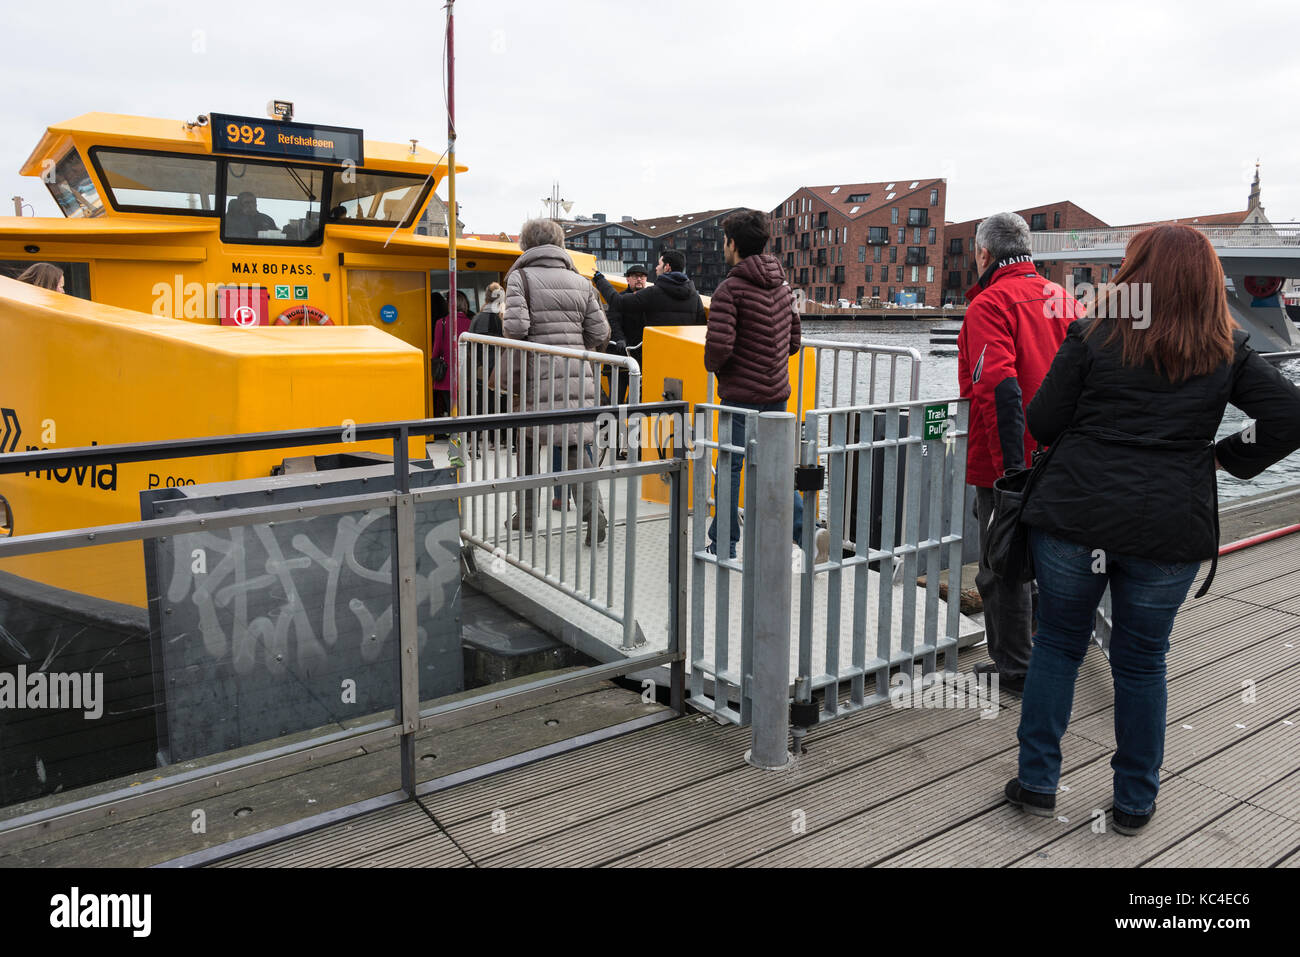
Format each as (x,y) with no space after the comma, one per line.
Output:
(300,292)
(281,292)
(936,421)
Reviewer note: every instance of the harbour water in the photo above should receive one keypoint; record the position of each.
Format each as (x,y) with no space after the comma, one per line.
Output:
(939,380)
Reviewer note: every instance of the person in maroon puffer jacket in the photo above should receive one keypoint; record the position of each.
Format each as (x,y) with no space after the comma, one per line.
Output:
(753,330)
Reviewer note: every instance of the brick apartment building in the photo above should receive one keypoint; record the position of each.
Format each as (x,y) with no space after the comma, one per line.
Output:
(960,272)
(862,240)
(697,235)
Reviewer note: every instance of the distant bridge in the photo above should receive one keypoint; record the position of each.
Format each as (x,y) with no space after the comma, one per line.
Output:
(1268,246)
(1252,249)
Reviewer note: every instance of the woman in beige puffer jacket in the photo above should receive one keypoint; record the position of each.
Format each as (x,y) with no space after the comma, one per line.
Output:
(549,302)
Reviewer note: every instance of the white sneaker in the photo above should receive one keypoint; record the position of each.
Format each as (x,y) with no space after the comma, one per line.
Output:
(822,545)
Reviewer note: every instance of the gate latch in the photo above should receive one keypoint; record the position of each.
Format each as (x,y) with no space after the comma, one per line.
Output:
(809,478)
(803,715)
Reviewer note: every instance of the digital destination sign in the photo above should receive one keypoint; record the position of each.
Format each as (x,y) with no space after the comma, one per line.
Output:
(249,136)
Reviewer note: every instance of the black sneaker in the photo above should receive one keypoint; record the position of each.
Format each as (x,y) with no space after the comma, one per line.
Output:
(985,668)
(1044,805)
(1129,824)
(1012,683)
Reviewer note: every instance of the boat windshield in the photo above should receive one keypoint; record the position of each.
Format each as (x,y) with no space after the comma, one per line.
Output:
(139,181)
(272,203)
(72,187)
(377,199)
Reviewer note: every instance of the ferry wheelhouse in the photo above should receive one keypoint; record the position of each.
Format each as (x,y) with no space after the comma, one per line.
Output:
(223,275)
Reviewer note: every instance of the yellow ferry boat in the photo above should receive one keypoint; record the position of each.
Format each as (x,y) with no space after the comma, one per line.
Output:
(224,275)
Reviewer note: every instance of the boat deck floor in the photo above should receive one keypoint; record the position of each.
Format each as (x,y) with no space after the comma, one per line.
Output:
(903,787)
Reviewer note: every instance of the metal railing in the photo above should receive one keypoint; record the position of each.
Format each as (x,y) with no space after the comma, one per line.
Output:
(401,562)
(502,376)
(847,378)
(724,675)
(857,373)
(1247,236)
(879,460)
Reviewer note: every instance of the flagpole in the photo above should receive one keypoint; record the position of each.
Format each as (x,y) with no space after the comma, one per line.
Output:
(452,346)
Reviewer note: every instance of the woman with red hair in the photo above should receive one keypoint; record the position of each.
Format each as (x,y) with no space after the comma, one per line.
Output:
(1131,406)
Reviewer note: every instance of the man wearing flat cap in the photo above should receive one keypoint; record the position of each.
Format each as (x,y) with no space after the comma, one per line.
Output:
(636,279)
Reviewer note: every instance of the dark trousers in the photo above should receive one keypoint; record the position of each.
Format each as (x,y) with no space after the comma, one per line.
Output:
(593,507)
(1008,608)
(732,507)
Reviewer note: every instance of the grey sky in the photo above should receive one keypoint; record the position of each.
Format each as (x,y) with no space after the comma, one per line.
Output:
(1134,110)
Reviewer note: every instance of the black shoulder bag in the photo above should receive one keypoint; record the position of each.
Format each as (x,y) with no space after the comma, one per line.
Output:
(1004,545)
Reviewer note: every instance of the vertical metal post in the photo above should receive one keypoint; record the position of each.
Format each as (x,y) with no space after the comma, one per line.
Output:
(452,314)
(772,516)
(699,520)
(633,492)
(679,558)
(408,673)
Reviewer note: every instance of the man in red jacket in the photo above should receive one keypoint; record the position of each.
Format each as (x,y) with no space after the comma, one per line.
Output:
(753,331)
(1014,325)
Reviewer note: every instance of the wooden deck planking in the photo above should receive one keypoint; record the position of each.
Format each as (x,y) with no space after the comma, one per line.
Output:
(1250,766)
(1203,714)
(592,831)
(166,833)
(902,788)
(1247,836)
(401,828)
(1181,808)
(995,834)
(862,817)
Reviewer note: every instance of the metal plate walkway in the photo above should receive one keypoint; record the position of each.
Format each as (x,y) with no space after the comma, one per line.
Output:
(904,787)
(601,636)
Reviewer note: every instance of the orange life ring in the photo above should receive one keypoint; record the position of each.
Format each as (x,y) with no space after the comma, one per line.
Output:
(303,316)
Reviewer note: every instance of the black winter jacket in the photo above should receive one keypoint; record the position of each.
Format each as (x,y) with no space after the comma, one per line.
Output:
(671,301)
(1132,471)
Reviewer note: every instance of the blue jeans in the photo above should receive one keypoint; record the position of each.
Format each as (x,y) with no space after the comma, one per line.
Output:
(1145,596)
(738,463)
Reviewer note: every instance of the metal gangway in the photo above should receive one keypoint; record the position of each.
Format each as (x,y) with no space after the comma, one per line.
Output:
(310,621)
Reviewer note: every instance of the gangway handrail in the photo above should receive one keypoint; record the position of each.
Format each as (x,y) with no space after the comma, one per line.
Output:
(297,438)
(525,345)
(517,387)
(407,715)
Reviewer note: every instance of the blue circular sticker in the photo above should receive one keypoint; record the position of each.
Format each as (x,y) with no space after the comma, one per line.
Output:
(388,313)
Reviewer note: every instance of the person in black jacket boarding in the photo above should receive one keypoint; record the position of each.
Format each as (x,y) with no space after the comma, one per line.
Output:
(671,301)
(1130,407)
(636,281)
